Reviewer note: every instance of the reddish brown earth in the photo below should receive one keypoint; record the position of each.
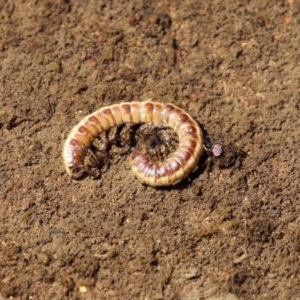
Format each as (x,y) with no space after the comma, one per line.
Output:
(229,233)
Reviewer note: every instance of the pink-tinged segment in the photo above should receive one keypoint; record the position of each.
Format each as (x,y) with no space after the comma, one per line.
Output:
(74,158)
(149,112)
(109,117)
(157,109)
(126,112)
(116,114)
(94,126)
(135,113)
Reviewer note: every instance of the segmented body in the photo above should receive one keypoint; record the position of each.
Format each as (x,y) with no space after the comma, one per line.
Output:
(173,169)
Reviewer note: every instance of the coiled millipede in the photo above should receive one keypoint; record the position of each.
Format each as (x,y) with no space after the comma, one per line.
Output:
(176,167)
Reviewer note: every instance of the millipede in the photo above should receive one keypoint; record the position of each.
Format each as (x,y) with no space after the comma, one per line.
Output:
(176,167)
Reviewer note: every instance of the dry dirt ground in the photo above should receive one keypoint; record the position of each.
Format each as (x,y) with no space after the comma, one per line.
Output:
(229,232)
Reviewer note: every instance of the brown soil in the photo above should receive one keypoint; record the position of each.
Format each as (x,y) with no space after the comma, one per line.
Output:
(228,233)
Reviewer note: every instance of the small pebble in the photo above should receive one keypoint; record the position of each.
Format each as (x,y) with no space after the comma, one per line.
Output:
(217,150)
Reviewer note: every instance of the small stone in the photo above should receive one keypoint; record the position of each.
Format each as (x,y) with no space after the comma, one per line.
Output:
(217,150)
(82,289)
